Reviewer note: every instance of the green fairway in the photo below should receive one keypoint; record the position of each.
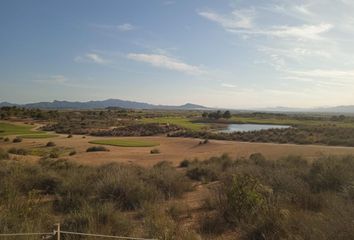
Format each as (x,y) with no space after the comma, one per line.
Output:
(125,143)
(38,136)
(17,129)
(179,121)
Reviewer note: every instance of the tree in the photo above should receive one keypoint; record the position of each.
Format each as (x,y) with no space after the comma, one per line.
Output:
(227,114)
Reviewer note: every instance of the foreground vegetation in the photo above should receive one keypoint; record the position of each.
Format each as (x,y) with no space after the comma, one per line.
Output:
(112,199)
(253,198)
(284,199)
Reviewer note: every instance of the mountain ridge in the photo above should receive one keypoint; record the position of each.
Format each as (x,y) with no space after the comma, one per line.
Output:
(56,104)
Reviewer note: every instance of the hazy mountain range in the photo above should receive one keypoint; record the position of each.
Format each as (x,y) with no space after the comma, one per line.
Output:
(336,109)
(102,104)
(349,109)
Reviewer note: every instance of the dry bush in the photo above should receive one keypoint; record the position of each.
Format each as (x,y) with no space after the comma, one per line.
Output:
(97,149)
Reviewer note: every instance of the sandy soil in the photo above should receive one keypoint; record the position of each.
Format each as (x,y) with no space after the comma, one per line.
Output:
(177,149)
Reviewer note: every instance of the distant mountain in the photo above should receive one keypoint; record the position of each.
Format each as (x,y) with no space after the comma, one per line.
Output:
(337,109)
(102,104)
(7,104)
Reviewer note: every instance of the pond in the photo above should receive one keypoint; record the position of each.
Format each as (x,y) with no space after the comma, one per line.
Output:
(251,127)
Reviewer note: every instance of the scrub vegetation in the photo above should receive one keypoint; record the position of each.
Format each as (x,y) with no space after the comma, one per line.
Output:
(253,198)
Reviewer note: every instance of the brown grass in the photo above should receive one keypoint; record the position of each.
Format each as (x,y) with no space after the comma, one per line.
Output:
(177,149)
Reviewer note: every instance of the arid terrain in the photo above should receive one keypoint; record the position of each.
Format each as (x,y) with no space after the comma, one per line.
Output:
(176,176)
(175,150)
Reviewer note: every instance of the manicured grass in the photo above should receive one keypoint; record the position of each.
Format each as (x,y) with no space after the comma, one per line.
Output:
(179,121)
(125,143)
(38,136)
(16,129)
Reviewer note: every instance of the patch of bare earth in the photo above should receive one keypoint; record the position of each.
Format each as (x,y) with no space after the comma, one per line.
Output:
(177,149)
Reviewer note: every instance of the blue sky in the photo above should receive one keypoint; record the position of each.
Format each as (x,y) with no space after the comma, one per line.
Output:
(219,53)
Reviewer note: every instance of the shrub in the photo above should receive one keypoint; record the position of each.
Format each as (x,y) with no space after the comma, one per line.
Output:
(155,151)
(272,224)
(18,151)
(212,224)
(159,225)
(77,221)
(258,158)
(169,181)
(72,153)
(177,210)
(17,140)
(107,218)
(97,149)
(67,203)
(45,183)
(240,199)
(54,154)
(123,186)
(202,173)
(3,154)
(50,144)
(185,163)
(331,174)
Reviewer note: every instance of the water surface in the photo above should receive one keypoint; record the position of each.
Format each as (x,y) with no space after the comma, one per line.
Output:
(251,127)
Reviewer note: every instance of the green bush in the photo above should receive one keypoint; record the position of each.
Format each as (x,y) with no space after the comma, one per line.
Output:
(50,144)
(72,153)
(241,199)
(97,149)
(184,164)
(17,140)
(18,151)
(202,173)
(155,151)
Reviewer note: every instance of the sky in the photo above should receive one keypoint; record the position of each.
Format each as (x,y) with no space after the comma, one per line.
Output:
(218,53)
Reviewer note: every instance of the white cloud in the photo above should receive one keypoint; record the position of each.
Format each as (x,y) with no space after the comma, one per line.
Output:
(300,32)
(239,19)
(125,27)
(54,79)
(92,58)
(169,2)
(335,74)
(163,61)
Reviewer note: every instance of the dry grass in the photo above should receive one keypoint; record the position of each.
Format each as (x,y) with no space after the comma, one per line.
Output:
(176,149)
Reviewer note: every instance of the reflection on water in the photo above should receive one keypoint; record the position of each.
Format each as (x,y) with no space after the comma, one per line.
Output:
(250,127)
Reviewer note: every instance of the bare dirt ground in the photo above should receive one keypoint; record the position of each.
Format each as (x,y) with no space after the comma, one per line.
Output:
(177,149)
